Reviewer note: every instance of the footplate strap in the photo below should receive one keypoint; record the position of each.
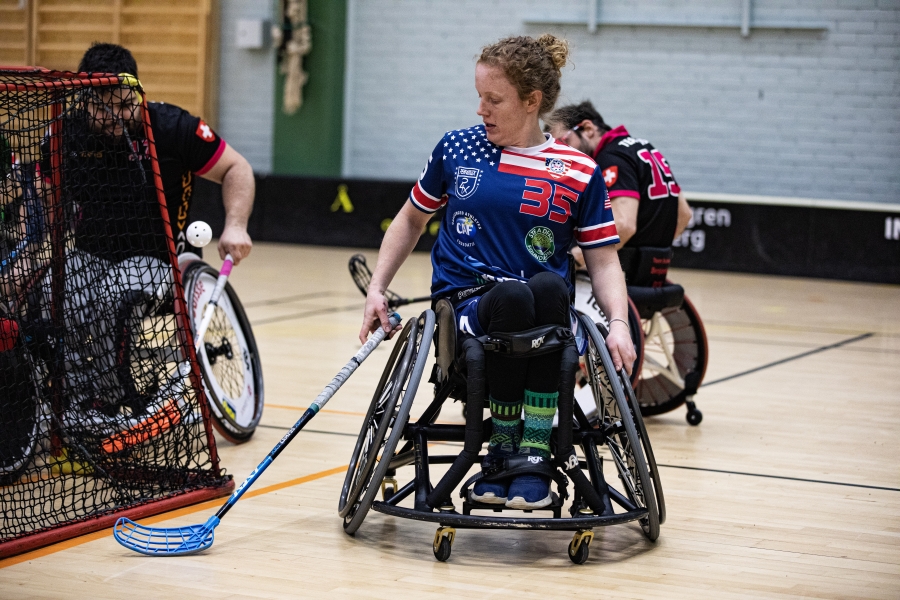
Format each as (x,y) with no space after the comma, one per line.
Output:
(501,468)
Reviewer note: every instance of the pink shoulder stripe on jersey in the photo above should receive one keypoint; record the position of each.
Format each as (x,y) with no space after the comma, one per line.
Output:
(215,158)
(628,193)
(424,200)
(609,136)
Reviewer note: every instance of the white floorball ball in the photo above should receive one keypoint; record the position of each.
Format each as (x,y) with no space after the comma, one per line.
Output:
(199,234)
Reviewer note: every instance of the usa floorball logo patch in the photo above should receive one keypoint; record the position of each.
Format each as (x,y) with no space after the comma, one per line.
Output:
(539,242)
(467,180)
(557,167)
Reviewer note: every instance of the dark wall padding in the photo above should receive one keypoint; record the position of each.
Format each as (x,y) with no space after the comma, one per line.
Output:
(856,245)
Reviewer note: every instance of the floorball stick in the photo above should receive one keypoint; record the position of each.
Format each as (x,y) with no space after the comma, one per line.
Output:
(361,274)
(224,272)
(173,541)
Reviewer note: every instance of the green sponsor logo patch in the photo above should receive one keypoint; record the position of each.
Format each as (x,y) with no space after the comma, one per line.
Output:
(539,242)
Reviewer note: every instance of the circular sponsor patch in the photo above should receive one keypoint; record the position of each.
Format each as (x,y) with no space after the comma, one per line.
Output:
(465,226)
(539,242)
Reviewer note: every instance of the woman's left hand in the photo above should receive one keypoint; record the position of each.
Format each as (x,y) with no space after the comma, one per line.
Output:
(621,347)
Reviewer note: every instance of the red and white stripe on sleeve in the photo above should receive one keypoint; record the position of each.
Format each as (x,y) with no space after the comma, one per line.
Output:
(597,235)
(425,201)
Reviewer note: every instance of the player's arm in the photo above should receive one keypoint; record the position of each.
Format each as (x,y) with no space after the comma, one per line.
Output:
(238,189)
(620,177)
(399,241)
(608,284)
(625,211)
(684,214)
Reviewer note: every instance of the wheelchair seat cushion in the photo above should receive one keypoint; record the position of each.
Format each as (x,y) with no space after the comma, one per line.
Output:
(649,300)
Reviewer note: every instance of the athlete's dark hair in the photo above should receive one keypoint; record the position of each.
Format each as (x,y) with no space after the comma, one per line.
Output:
(108,58)
(573,114)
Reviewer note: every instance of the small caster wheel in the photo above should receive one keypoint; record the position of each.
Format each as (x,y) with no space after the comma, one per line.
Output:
(443,543)
(694,417)
(388,488)
(346,524)
(580,547)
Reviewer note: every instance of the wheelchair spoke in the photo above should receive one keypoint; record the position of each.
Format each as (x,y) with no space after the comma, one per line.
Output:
(669,372)
(621,456)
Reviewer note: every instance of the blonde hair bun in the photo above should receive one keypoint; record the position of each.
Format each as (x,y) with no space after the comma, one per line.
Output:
(557,48)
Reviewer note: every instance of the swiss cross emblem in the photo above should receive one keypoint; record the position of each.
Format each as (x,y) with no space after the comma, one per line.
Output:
(204,132)
(610,175)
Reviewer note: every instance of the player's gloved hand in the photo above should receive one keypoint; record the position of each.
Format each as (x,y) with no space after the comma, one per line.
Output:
(620,346)
(235,241)
(376,315)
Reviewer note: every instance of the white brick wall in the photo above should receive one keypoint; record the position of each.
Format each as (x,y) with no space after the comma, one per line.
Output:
(782,113)
(247,86)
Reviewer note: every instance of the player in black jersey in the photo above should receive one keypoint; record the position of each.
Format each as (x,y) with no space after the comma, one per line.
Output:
(650,208)
(185,146)
(120,265)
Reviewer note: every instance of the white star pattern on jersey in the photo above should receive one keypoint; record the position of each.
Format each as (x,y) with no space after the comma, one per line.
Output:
(509,192)
(482,148)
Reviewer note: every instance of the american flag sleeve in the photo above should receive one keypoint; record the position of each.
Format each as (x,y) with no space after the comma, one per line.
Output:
(595,225)
(428,193)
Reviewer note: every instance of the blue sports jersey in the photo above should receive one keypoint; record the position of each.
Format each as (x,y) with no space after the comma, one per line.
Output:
(511,212)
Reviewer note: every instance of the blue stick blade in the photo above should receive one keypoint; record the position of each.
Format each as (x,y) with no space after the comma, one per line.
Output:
(165,541)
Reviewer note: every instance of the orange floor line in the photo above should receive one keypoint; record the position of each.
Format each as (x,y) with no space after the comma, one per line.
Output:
(208,505)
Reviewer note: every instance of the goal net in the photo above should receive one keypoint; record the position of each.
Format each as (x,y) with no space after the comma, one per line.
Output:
(102,412)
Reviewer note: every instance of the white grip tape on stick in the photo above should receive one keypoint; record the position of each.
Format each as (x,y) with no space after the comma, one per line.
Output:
(351,366)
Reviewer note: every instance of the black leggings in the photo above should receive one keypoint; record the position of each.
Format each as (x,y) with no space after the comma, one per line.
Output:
(511,307)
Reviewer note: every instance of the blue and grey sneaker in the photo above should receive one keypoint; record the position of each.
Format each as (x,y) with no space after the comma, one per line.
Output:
(527,492)
(490,492)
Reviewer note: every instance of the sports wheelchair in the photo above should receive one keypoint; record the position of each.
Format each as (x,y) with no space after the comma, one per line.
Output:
(667,332)
(389,442)
(229,358)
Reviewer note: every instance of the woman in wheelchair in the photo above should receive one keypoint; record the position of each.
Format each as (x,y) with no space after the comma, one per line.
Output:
(515,200)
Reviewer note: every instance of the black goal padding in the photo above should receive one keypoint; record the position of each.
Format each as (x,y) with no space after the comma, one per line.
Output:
(101,404)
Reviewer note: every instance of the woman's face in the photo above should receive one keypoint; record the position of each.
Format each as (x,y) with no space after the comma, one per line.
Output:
(507,119)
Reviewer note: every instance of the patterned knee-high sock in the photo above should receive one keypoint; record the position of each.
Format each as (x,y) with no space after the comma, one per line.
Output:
(505,418)
(539,411)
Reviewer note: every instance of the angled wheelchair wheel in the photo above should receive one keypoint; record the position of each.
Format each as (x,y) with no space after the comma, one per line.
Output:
(617,419)
(229,358)
(648,449)
(385,420)
(675,357)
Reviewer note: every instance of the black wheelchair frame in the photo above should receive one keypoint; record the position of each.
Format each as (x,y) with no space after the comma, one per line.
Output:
(376,458)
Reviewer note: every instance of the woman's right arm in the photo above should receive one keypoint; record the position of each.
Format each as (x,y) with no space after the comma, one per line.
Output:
(399,241)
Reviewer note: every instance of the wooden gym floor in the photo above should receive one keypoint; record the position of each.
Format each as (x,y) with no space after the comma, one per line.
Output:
(789,488)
